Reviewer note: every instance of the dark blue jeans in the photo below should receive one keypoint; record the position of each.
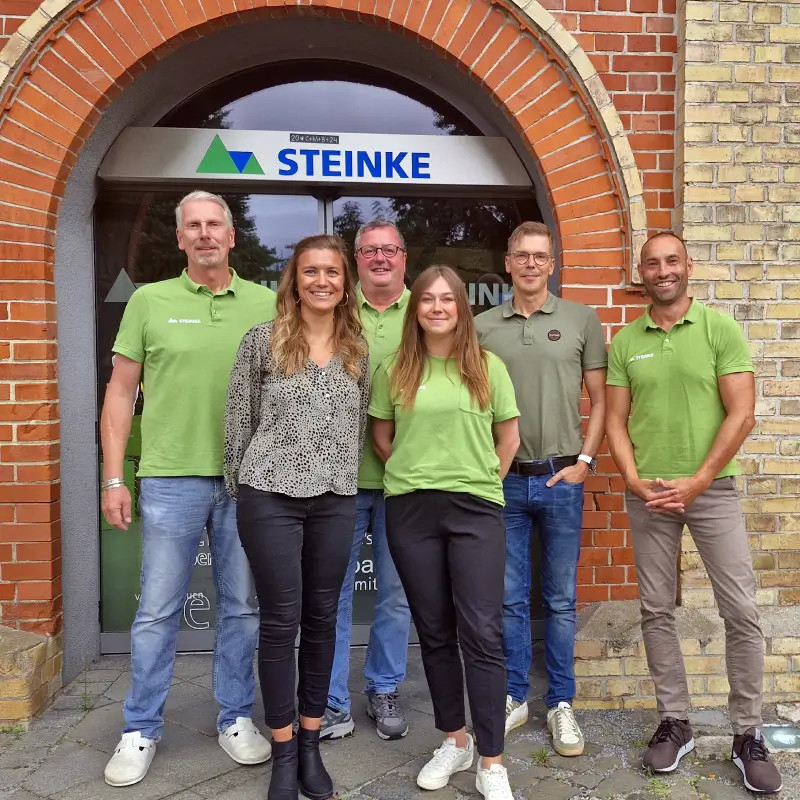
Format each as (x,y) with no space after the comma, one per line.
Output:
(558,514)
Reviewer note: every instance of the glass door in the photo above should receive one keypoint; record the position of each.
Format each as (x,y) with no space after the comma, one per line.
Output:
(135,244)
(470,235)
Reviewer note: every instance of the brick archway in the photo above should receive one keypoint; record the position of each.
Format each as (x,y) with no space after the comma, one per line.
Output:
(70,60)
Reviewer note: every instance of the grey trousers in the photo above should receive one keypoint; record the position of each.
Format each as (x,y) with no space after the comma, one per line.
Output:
(717,526)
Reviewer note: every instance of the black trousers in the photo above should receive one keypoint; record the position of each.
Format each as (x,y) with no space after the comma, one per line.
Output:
(450,549)
(298,548)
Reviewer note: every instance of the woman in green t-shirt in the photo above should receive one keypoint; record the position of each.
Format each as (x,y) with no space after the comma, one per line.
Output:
(445,424)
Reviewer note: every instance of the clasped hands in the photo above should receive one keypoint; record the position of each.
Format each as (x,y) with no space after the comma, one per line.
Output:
(674,496)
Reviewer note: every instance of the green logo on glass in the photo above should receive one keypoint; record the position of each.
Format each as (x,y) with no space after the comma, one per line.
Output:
(221,161)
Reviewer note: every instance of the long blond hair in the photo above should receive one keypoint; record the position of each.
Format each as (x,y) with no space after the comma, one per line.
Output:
(288,341)
(469,356)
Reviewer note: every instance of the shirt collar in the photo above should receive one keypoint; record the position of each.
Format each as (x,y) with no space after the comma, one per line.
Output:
(692,315)
(401,301)
(194,288)
(548,308)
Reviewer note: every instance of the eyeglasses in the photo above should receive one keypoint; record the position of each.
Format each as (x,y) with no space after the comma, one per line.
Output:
(388,250)
(522,258)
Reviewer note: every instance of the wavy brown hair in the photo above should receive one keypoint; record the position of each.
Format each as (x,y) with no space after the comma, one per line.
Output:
(288,341)
(470,357)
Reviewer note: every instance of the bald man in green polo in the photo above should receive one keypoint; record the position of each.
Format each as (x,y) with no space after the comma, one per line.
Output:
(680,401)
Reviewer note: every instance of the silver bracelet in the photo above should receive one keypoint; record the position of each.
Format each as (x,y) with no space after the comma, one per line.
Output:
(113,483)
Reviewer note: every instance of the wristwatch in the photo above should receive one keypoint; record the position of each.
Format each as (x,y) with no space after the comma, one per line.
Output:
(592,462)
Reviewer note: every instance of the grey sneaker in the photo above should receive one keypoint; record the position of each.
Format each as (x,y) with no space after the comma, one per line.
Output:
(336,724)
(389,719)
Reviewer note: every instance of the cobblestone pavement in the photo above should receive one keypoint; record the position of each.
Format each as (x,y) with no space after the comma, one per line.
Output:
(63,754)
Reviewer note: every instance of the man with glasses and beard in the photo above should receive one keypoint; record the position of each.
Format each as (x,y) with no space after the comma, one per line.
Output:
(551,347)
(382,299)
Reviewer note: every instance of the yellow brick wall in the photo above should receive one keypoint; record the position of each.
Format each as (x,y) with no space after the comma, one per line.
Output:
(738,205)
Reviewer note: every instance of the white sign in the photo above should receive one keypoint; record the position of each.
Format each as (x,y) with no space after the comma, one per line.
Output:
(201,155)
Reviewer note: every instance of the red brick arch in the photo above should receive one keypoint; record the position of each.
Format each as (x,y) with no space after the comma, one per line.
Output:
(73,65)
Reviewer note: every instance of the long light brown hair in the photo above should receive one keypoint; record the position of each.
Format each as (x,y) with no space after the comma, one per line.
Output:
(288,342)
(469,356)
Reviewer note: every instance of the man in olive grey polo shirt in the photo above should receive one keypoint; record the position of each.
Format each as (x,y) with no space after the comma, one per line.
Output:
(551,348)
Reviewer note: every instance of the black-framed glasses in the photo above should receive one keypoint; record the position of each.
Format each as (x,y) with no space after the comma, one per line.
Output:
(388,250)
(522,257)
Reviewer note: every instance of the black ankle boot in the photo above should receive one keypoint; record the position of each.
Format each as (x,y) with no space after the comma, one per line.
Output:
(313,778)
(283,782)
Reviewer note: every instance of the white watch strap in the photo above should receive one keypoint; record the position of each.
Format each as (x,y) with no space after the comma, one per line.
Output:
(587,459)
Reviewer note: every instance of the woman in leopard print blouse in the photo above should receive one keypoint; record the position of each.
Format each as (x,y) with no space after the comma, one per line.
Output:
(294,432)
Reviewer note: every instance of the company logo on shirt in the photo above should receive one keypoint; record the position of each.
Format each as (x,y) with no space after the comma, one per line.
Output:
(639,358)
(173,321)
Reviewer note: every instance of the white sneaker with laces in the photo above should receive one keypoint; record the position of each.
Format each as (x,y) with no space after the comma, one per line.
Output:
(131,760)
(492,783)
(446,760)
(516,713)
(244,743)
(567,736)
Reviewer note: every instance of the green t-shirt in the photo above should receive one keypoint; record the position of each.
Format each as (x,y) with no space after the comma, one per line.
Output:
(444,441)
(187,339)
(673,378)
(546,355)
(382,330)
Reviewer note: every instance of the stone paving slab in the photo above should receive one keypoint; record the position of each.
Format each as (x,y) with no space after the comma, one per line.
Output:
(63,754)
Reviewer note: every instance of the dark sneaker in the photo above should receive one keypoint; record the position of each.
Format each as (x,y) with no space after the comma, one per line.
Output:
(670,743)
(389,719)
(336,724)
(751,757)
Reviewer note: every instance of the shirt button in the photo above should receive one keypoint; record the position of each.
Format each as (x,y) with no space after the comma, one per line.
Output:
(666,340)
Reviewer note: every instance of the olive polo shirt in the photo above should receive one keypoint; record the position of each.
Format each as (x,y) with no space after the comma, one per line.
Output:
(382,330)
(546,355)
(673,377)
(186,337)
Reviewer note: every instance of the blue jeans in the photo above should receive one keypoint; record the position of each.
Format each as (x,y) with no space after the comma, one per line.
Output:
(387,651)
(174,513)
(558,512)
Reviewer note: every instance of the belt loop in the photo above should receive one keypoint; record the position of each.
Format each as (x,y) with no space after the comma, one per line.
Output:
(552,467)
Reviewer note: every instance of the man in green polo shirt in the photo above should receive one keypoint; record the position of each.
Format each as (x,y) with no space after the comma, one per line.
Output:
(183,334)
(552,347)
(680,402)
(382,301)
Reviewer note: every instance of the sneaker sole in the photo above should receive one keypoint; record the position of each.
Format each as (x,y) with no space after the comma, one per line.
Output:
(432,786)
(740,766)
(687,748)
(223,742)
(118,784)
(340,731)
(517,724)
(568,752)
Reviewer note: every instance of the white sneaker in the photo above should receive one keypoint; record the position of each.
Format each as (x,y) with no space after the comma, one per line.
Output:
(244,743)
(446,760)
(492,783)
(567,736)
(131,760)
(516,713)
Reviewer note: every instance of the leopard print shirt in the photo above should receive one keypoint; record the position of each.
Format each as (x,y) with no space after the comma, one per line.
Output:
(301,435)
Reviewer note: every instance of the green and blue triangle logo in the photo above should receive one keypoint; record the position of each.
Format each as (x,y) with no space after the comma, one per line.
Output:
(221,161)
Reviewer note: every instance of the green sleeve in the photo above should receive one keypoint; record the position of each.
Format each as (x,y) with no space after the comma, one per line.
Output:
(132,334)
(594,354)
(380,402)
(731,348)
(504,400)
(617,372)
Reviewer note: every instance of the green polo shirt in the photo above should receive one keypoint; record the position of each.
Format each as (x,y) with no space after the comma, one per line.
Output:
(444,441)
(382,330)
(546,355)
(673,377)
(187,338)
